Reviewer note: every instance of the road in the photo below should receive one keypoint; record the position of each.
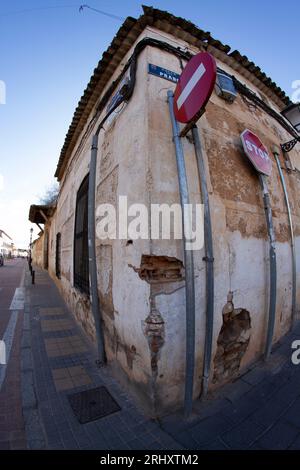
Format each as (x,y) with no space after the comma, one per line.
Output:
(12,435)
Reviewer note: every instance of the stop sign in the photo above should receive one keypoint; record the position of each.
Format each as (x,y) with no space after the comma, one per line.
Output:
(195,86)
(256,152)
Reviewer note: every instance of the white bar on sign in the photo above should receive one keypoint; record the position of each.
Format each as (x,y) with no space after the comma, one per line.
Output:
(197,75)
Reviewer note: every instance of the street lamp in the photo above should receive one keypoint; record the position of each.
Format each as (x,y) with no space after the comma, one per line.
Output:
(31,230)
(292,114)
(30,245)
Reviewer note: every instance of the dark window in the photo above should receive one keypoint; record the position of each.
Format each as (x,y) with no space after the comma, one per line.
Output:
(46,249)
(58,255)
(81,259)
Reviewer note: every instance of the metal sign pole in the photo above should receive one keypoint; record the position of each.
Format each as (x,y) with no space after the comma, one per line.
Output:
(209,258)
(294,268)
(95,304)
(189,267)
(273,268)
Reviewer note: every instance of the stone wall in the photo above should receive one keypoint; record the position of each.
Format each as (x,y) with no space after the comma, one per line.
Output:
(37,251)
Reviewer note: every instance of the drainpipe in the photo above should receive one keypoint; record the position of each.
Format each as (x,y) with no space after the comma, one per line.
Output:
(209,258)
(96,311)
(189,267)
(273,269)
(275,151)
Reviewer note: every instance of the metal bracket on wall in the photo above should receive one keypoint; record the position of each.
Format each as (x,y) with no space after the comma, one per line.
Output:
(288,146)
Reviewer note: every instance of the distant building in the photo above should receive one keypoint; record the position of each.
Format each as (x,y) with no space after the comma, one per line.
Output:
(6,244)
(20,253)
(141,282)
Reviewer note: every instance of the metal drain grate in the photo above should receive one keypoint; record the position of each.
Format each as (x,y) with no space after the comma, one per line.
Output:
(93,404)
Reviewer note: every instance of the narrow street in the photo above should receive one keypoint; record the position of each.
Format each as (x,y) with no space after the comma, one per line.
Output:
(49,359)
(12,435)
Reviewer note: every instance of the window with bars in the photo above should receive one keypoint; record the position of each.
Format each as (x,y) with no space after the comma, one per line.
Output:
(58,255)
(81,259)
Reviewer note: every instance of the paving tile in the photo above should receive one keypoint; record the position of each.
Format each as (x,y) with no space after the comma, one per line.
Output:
(155,445)
(81,438)
(70,377)
(268,413)
(18,444)
(296,444)
(205,431)
(64,346)
(254,376)
(243,435)
(280,437)
(57,445)
(236,390)
(4,445)
(80,380)
(137,444)
(60,373)
(51,311)
(218,444)
(117,443)
(56,325)
(237,413)
(63,384)
(77,370)
(186,439)
(292,415)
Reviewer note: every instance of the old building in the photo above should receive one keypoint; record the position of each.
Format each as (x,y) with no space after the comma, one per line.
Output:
(6,244)
(141,282)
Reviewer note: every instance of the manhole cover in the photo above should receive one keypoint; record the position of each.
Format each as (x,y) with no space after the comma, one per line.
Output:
(93,404)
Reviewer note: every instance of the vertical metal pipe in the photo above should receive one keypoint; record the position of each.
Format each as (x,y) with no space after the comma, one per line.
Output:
(92,252)
(189,267)
(273,268)
(294,267)
(209,258)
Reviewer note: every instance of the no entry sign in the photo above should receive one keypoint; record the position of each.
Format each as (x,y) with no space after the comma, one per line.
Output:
(195,86)
(256,152)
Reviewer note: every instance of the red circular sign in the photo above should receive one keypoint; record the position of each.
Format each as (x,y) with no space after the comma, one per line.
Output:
(256,152)
(195,86)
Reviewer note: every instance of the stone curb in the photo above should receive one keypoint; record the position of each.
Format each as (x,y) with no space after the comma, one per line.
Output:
(35,434)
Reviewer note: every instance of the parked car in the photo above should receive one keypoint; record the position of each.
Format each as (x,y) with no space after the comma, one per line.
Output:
(1,259)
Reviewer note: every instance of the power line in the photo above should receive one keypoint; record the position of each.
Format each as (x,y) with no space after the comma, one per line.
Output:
(101,12)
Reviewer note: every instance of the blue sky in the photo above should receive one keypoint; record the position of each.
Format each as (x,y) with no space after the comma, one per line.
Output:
(47,56)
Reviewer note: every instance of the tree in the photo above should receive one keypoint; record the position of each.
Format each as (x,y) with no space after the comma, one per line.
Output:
(51,194)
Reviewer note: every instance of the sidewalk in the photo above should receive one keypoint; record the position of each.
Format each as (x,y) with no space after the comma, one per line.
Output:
(57,360)
(261,410)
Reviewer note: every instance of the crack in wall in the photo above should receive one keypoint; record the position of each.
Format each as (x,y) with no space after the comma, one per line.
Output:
(232,342)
